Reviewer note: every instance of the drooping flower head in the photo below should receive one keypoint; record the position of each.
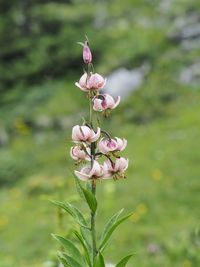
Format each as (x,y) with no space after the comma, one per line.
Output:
(79,153)
(91,82)
(105,101)
(85,134)
(95,172)
(107,145)
(115,169)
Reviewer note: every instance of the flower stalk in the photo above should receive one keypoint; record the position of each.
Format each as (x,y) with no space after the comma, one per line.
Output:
(90,144)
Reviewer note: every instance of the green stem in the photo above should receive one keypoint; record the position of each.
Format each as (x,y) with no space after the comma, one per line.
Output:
(93,190)
(93,227)
(93,182)
(91,109)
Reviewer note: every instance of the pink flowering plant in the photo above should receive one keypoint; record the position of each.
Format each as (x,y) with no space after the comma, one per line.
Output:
(97,157)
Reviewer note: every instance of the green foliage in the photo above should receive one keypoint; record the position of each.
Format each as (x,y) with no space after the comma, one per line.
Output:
(112,226)
(124,261)
(109,224)
(86,246)
(73,211)
(87,195)
(99,261)
(91,200)
(71,248)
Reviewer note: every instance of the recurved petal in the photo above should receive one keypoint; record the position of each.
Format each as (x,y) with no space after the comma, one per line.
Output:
(121,143)
(87,132)
(72,154)
(116,102)
(103,84)
(109,101)
(81,175)
(95,136)
(102,146)
(75,133)
(97,104)
(121,164)
(80,87)
(96,169)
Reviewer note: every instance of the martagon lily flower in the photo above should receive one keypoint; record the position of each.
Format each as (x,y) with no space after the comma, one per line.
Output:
(85,134)
(79,153)
(88,172)
(107,145)
(115,169)
(104,102)
(91,82)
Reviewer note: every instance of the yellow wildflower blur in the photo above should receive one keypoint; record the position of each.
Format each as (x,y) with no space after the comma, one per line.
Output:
(157,175)
(21,126)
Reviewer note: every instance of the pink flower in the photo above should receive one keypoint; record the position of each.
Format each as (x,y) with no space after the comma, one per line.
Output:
(79,153)
(104,102)
(88,172)
(91,82)
(82,84)
(87,55)
(96,81)
(106,145)
(85,134)
(116,168)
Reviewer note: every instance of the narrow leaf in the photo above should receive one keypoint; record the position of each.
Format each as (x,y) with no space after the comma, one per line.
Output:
(86,234)
(91,200)
(63,261)
(69,260)
(124,261)
(86,248)
(99,261)
(109,224)
(70,247)
(73,211)
(88,185)
(112,228)
(79,188)
(87,195)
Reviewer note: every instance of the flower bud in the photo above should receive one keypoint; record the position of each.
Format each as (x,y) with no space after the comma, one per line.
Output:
(104,102)
(87,55)
(85,134)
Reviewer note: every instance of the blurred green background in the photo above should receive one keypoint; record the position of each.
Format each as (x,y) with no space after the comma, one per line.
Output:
(40,61)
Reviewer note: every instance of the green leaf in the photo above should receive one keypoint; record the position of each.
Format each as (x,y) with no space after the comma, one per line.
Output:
(86,247)
(124,261)
(63,261)
(69,260)
(86,234)
(73,211)
(70,247)
(90,198)
(109,224)
(79,188)
(99,261)
(86,195)
(111,229)
(88,185)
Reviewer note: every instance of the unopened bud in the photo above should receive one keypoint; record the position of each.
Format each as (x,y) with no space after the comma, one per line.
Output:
(87,55)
